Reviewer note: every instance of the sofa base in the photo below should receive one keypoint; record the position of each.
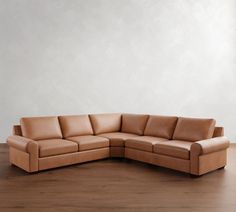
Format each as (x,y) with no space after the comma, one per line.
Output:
(209,162)
(73,158)
(202,164)
(19,158)
(159,160)
(22,159)
(172,163)
(117,152)
(139,155)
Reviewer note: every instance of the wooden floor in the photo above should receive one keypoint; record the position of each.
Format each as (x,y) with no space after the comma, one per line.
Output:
(116,185)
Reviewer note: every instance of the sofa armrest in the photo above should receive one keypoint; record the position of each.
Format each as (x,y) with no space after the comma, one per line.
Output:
(26,146)
(22,143)
(209,145)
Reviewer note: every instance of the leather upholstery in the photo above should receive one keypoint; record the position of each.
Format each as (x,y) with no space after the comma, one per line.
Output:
(20,158)
(161,126)
(118,138)
(209,145)
(144,143)
(218,132)
(19,142)
(134,123)
(116,151)
(34,150)
(88,142)
(174,148)
(105,123)
(194,129)
(17,130)
(40,128)
(75,125)
(209,162)
(139,155)
(56,147)
(72,158)
(20,145)
(172,162)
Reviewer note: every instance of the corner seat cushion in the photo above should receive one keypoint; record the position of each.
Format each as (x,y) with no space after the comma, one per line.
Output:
(41,128)
(56,147)
(105,123)
(118,138)
(75,125)
(144,143)
(88,142)
(194,129)
(161,126)
(134,123)
(174,148)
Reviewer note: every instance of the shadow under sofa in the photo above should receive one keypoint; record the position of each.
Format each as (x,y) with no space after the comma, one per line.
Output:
(190,145)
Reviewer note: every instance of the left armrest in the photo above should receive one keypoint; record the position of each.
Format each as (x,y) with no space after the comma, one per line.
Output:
(209,145)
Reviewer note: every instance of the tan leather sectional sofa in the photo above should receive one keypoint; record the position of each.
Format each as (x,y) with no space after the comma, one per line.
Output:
(189,145)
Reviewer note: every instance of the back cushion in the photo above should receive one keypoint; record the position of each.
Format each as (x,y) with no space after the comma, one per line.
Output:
(75,125)
(161,126)
(39,128)
(134,123)
(194,129)
(105,123)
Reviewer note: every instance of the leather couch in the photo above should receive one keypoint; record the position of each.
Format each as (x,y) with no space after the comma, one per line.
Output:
(190,145)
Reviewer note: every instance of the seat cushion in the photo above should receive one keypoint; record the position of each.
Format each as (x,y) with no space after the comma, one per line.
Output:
(118,138)
(88,142)
(134,123)
(174,148)
(194,129)
(75,125)
(144,143)
(105,123)
(41,128)
(56,147)
(161,126)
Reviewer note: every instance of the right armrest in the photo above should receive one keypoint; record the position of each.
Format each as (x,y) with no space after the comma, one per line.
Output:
(22,143)
(209,145)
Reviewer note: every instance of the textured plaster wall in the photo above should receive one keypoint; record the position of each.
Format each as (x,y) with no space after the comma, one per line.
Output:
(174,57)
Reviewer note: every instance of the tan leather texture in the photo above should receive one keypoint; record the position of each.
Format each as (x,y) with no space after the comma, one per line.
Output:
(88,142)
(17,130)
(212,161)
(19,142)
(209,145)
(20,145)
(144,143)
(33,149)
(72,158)
(208,162)
(218,132)
(196,153)
(172,162)
(56,147)
(214,148)
(174,148)
(117,152)
(134,123)
(139,155)
(161,126)
(118,138)
(194,129)
(40,128)
(75,125)
(19,158)
(105,123)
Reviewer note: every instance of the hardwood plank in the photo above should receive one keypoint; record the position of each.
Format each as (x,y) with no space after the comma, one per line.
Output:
(116,185)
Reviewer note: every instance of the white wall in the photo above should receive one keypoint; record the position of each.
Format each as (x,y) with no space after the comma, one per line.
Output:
(91,56)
